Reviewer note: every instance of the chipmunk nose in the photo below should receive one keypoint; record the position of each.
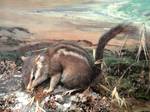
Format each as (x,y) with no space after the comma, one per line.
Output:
(29,88)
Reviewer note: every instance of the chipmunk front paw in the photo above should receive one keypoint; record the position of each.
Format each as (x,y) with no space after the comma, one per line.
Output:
(47,91)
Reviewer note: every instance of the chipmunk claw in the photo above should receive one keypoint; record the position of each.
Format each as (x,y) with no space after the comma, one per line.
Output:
(69,92)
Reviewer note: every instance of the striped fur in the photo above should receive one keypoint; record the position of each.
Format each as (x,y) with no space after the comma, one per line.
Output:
(67,63)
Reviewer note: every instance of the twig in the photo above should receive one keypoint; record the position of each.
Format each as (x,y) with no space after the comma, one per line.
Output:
(38,107)
(123,44)
(142,44)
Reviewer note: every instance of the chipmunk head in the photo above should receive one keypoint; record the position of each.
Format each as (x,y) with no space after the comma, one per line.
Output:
(35,70)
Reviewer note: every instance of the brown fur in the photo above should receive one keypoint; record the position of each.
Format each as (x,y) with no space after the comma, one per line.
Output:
(68,63)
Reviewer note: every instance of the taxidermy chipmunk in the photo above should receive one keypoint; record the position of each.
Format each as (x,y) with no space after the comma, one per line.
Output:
(66,63)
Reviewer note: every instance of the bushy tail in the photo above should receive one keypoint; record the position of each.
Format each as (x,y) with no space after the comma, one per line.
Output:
(104,39)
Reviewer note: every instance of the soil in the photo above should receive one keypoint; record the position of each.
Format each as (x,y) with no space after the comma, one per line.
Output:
(13,97)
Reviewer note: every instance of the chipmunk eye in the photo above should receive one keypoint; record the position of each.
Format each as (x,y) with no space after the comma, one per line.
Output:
(33,77)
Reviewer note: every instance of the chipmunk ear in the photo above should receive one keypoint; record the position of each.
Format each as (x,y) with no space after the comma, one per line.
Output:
(42,58)
(23,58)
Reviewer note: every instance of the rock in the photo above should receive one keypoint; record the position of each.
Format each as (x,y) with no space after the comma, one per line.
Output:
(66,106)
(74,98)
(10,80)
(59,98)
